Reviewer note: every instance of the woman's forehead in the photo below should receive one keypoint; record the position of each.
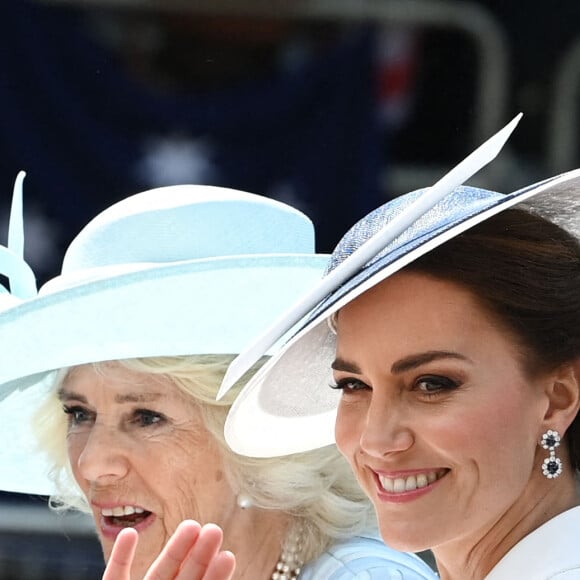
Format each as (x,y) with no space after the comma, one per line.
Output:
(417,309)
(115,374)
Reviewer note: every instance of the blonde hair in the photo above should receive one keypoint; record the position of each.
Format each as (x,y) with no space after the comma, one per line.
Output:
(317,488)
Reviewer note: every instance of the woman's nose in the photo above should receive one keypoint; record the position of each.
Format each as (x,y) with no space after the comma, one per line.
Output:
(103,456)
(386,429)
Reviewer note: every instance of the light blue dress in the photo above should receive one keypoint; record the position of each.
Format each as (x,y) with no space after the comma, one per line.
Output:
(366,558)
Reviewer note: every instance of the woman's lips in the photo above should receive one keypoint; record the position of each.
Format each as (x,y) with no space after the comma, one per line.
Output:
(401,486)
(400,483)
(115,518)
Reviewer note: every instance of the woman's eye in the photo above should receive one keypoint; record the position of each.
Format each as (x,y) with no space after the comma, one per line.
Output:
(432,385)
(146,418)
(349,385)
(77,415)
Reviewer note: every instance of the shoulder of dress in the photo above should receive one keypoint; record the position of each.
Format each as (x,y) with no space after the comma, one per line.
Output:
(367,558)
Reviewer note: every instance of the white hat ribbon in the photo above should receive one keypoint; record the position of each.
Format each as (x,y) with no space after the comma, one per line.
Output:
(12,263)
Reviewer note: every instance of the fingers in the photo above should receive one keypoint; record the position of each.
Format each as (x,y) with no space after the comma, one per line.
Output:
(167,565)
(205,557)
(119,564)
(192,553)
(221,567)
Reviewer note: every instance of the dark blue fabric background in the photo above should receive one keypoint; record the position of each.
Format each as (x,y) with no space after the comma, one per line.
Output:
(80,125)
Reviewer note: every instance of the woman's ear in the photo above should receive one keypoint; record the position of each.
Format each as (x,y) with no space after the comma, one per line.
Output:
(563,392)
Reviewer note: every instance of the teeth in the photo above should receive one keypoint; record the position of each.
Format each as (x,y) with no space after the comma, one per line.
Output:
(399,485)
(411,483)
(387,483)
(118,511)
(422,480)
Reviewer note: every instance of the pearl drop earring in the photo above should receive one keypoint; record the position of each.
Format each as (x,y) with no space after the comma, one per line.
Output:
(244,501)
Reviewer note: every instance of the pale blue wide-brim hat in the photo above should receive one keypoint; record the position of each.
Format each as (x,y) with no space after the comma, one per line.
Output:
(288,407)
(179,270)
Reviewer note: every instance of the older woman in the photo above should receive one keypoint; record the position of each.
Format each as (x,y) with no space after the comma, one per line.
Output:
(129,347)
(453,359)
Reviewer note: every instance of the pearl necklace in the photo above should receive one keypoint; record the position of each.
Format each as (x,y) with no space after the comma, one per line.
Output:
(289,565)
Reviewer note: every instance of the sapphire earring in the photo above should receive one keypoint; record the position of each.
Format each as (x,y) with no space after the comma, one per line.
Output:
(552,466)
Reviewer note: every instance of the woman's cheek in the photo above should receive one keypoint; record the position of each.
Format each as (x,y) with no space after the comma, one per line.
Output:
(346,433)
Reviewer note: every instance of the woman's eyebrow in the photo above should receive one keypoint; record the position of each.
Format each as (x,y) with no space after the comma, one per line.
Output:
(402,365)
(416,360)
(340,364)
(66,395)
(136,397)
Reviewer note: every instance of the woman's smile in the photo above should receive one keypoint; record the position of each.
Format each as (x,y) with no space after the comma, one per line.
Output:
(399,483)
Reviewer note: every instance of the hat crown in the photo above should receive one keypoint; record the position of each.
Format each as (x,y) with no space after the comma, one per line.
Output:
(461,203)
(188,222)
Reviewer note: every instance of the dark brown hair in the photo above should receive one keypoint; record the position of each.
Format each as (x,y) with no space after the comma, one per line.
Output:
(526,271)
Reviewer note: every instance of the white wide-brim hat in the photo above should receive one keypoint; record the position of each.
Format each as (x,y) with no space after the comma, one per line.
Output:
(288,407)
(179,270)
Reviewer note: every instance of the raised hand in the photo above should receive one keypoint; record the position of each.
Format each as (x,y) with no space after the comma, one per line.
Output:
(192,553)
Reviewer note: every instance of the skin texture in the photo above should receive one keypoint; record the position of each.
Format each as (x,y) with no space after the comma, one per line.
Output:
(137,440)
(432,384)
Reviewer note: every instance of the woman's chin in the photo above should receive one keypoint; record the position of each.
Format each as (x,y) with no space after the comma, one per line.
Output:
(404,541)
(106,547)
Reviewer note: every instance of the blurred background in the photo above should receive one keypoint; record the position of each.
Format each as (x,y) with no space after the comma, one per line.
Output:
(330,105)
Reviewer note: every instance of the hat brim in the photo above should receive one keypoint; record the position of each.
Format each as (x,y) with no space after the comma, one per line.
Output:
(288,407)
(210,306)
